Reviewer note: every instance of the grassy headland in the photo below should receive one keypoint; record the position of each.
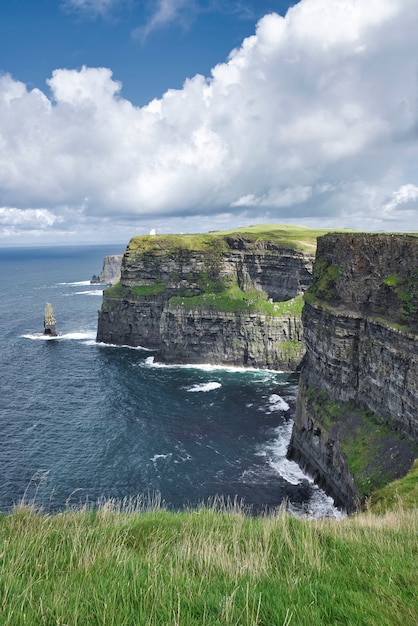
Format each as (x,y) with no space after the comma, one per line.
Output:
(293,236)
(207,567)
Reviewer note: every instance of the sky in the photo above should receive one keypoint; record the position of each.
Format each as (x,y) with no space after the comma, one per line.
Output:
(122,116)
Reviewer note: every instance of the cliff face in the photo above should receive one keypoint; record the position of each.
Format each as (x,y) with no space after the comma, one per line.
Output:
(216,298)
(356,420)
(110,273)
(243,339)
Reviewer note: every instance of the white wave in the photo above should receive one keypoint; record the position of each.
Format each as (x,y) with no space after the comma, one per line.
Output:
(80,283)
(319,504)
(75,336)
(90,292)
(39,337)
(275,403)
(115,345)
(205,387)
(160,456)
(208,367)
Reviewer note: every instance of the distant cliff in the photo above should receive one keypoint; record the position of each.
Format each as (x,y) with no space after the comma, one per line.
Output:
(356,422)
(110,274)
(220,298)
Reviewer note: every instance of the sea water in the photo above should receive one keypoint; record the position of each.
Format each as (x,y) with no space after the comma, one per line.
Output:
(81,422)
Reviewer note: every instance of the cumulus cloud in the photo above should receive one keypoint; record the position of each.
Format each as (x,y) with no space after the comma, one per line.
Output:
(34,221)
(313,118)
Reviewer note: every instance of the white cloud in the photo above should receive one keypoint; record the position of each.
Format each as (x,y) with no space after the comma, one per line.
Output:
(314,118)
(92,7)
(165,13)
(33,221)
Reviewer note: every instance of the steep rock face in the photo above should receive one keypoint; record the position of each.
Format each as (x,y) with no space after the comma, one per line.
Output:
(243,339)
(357,413)
(178,294)
(110,273)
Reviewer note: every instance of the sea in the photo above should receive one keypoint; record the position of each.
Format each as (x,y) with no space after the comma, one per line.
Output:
(84,423)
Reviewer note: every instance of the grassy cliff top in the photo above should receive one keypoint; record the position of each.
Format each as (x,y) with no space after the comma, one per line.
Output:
(299,237)
(206,567)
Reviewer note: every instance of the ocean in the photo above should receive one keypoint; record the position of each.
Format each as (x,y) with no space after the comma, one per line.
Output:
(83,422)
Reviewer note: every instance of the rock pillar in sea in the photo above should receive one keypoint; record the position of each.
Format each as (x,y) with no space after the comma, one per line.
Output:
(50,324)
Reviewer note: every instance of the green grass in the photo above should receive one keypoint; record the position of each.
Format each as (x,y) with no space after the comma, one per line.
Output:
(148,290)
(402,492)
(115,292)
(288,235)
(205,568)
(295,236)
(235,299)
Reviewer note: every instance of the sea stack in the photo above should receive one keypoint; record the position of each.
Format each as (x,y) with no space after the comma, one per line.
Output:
(50,325)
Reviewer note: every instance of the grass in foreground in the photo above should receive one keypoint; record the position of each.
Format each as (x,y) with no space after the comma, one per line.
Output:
(206,567)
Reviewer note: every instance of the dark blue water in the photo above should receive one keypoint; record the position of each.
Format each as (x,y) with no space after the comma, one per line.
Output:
(81,421)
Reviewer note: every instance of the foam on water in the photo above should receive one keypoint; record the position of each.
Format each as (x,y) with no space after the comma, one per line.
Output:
(40,337)
(160,456)
(115,345)
(89,292)
(319,504)
(276,403)
(77,336)
(208,367)
(205,387)
(80,283)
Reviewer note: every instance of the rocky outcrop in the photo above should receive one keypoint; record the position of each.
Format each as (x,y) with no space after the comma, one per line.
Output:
(228,299)
(356,422)
(50,324)
(110,274)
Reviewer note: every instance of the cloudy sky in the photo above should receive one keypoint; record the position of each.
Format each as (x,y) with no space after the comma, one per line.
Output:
(119,116)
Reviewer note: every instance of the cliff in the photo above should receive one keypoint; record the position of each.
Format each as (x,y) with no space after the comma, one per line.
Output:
(110,274)
(356,422)
(227,298)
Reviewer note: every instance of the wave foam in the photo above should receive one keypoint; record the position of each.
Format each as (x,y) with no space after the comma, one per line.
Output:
(319,504)
(276,403)
(89,292)
(208,367)
(80,283)
(205,387)
(39,337)
(115,345)
(75,336)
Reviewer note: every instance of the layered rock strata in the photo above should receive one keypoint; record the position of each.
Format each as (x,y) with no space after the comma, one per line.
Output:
(218,298)
(356,422)
(110,274)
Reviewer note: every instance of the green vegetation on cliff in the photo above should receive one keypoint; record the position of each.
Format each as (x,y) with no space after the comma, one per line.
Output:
(235,299)
(207,568)
(377,452)
(292,236)
(324,283)
(405,290)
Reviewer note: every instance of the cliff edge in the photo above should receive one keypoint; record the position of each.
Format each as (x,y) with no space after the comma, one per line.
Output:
(110,274)
(232,298)
(356,422)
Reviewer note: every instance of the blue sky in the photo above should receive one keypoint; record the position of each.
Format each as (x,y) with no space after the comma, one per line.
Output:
(150,46)
(120,116)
